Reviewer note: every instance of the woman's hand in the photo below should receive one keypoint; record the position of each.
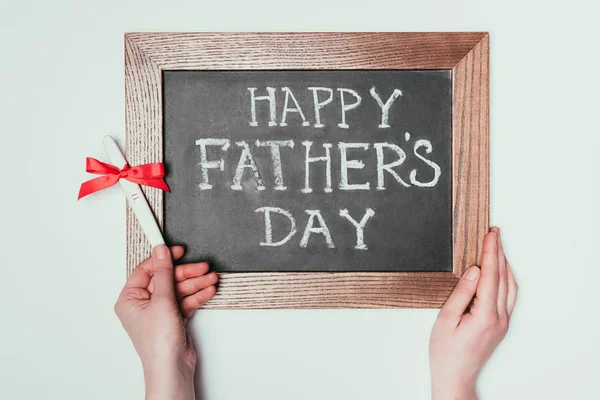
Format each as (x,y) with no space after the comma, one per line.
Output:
(461,343)
(150,312)
(194,286)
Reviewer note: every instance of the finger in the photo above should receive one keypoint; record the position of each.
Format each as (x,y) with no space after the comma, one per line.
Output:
(176,252)
(487,290)
(162,270)
(513,290)
(187,271)
(193,285)
(141,276)
(460,298)
(502,276)
(191,303)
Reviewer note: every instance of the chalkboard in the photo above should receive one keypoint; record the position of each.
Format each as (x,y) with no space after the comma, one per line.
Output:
(403,223)
(310,170)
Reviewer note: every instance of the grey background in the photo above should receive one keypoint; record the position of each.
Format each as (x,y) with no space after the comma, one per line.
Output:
(411,228)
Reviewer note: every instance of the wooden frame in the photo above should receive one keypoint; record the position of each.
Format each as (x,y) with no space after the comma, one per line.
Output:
(466,54)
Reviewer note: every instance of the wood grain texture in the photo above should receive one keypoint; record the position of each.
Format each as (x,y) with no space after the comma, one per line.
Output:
(470,156)
(333,290)
(143,139)
(466,54)
(432,50)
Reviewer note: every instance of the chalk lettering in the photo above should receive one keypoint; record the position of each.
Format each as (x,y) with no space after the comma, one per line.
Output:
(436,168)
(347,107)
(205,164)
(346,164)
(274,146)
(381,166)
(320,104)
(287,109)
(385,108)
(322,229)
(246,161)
(269,228)
(270,97)
(360,226)
(308,160)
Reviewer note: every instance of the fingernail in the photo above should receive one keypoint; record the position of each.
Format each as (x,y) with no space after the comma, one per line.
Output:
(472,273)
(161,252)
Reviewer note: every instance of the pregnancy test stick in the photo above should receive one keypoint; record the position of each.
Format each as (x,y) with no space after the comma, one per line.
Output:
(135,196)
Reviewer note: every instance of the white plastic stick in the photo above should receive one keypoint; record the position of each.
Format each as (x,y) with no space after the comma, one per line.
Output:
(134,195)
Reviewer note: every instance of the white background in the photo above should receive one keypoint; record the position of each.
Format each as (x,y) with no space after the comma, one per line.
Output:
(63,262)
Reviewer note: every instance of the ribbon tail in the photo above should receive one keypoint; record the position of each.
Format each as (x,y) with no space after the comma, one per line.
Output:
(96,184)
(94,166)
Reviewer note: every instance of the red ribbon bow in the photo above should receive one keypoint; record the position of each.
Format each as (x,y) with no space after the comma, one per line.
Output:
(147,174)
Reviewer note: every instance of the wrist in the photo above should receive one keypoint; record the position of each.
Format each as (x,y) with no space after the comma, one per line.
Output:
(455,391)
(169,382)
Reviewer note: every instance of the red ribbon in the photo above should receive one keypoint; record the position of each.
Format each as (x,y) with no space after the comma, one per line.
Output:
(147,174)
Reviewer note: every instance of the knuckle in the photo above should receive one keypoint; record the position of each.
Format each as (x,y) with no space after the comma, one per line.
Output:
(496,273)
(162,297)
(488,254)
(189,287)
(163,269)
(117,309)
(489,320)
(198,284)
(494,324)
(206,294)
(212,290)
(503,274)
(178,273)
(502,320)
(464,291)
(445,315)
(187,306)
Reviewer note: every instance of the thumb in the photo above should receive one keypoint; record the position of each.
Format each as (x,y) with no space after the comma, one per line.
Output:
(461,296)
(162,271)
